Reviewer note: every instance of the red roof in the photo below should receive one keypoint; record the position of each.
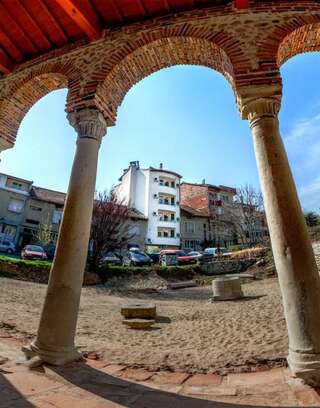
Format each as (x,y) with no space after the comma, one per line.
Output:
(29,28)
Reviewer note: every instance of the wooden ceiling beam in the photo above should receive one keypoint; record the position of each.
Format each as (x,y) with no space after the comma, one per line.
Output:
(45,43)
(6,65)
(241,4)
(12,50)
(87,25)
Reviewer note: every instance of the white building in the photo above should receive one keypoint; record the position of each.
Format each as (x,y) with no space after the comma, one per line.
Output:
(156,194)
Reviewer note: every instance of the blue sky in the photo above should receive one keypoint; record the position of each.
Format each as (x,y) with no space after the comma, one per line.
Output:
(186,118)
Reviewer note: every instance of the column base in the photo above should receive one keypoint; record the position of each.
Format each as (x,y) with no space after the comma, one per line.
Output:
(305,366)
(55,356)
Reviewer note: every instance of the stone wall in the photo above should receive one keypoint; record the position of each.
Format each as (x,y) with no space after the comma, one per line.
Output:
(227,266)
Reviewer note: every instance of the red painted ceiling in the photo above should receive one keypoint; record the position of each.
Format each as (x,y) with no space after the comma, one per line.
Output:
(29,28)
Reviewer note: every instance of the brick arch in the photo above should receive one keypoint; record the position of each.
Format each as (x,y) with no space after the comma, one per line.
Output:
(151,57)
(23,92)
(304,39)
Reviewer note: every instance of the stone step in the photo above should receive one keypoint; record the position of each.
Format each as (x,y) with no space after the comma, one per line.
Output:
(139,324)
(139,311)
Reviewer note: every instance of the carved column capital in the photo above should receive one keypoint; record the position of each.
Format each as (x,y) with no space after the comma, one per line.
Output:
(89,123)
(257,102)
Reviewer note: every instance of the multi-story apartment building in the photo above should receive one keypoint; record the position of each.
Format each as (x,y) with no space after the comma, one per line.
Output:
(24,207)
(14,193)
(213,204)
(156,194)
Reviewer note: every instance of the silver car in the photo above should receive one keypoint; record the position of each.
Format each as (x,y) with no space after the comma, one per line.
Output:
(7,246)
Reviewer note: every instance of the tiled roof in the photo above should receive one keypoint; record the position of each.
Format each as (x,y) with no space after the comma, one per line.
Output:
(135,214)
(194,212)
(51,196)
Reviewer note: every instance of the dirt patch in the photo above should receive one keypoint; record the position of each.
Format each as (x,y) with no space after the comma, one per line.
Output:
(191,334)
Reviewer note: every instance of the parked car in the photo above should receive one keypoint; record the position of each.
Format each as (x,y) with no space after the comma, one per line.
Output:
(33,252)
(7,246)
(50,251)
(137,258)
(155,257)
(201,256)
(110,258)
(216,251)
(182,257)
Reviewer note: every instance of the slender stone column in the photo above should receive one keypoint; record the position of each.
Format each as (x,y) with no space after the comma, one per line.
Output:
(292,250)
(55,339)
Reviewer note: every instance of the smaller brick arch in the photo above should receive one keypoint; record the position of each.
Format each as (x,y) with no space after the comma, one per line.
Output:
(149,58)
(25,90)
(304,39)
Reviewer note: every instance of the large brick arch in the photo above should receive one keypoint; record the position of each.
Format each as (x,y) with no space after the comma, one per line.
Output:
(25,91)
(149,58)
(301,40)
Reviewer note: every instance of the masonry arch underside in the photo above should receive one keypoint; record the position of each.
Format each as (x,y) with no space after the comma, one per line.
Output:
(15,106)
(302,40)
(152,57)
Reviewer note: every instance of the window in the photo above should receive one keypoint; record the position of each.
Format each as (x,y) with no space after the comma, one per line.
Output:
(172,233)
(161,182)
(159,234)
(17,186)
(189,226)
(172,184)
(165,233)
(172,200)
(56,218)
(34,222)
(172,217)
(34,208)
(16,205)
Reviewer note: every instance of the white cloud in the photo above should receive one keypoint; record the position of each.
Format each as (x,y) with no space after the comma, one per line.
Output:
(304,128)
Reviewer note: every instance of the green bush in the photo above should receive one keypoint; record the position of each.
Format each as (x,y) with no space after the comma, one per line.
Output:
(25,263)
(166,272)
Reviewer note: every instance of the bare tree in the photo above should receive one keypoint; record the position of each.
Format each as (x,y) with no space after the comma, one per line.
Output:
(44,234)
(110,228)
(246,215)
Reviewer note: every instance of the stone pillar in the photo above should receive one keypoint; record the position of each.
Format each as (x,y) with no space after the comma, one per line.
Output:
(55,339)
(292,250)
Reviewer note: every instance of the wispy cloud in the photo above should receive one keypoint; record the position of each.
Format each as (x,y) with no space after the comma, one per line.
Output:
(304,128)
(303,146)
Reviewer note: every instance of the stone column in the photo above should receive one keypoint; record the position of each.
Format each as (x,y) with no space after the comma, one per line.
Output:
(55,339)
(292,250)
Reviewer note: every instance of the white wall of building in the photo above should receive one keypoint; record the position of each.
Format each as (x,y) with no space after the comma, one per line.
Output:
(140,189)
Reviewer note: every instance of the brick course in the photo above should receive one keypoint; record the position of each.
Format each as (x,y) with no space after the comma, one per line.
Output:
(246,45)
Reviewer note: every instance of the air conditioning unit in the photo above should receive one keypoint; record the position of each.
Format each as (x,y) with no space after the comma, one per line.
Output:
(155,196)
(149,240)
(177,202)
(178,235)
(154,213)
(178,219)
(177,185)
(155,179)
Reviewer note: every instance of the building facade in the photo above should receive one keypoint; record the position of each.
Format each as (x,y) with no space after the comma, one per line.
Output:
(156,194)
(195,227)
(214,204)
(25,207)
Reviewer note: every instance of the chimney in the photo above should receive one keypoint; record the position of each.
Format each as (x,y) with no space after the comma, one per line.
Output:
(161,166)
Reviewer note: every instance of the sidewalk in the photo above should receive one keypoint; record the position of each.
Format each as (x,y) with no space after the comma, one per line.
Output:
(99,384)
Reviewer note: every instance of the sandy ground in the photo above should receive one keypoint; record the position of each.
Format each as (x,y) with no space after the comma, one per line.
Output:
(192,334)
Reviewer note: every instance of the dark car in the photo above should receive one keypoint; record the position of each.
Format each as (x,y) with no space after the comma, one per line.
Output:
(137,258)
(155,257)
(33,252)
(50,251)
